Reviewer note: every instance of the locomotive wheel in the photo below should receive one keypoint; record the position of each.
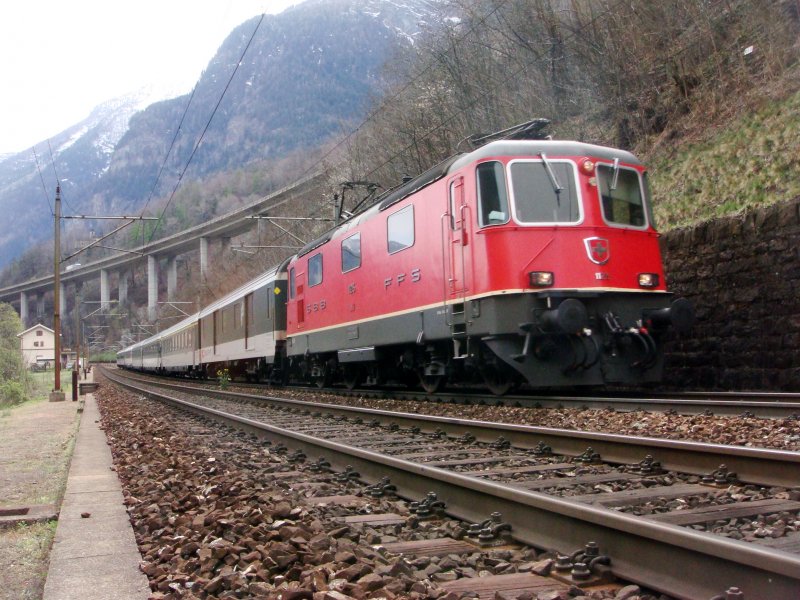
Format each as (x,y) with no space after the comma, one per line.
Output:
(353,376)
(431,383)
(325,379)
(498,378)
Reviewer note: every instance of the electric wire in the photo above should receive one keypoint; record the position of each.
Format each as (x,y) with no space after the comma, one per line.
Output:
(169,151)
(41,178)
(58,181)
(205,129)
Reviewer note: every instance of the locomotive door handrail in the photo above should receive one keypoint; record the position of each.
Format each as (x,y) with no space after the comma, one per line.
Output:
(454,262)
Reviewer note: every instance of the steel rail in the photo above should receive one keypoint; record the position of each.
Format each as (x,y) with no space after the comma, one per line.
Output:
(689,404)
(678,561)
(773,406)
(753,465)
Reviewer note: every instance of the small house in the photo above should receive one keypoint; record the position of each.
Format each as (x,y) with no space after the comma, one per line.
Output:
(38,345)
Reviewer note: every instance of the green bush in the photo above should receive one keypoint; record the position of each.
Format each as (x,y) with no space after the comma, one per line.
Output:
(11,393)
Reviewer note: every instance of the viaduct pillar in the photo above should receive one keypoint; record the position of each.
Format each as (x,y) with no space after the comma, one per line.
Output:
(203,257)
(23,308)
(105,295)
(40,307)
(172,277)
(123,287)
(152,287)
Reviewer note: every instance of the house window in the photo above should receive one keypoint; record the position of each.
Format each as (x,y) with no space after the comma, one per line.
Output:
(39,333)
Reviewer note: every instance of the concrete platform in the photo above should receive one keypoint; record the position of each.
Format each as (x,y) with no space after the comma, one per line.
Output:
(94,557)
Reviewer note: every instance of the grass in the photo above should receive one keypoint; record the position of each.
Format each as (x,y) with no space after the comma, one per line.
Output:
(24,554)
(752,162)
(37,439)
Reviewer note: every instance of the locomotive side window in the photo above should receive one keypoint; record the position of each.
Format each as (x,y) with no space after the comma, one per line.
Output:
(400,230)
(351,253)
(545,192)
(315,270)
(291,283)
(492,194)
(621,196)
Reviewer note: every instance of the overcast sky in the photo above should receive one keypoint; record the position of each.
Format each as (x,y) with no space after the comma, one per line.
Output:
(61,58)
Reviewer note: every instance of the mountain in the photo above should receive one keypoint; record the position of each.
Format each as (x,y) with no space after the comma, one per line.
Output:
(82,154)
(308,74)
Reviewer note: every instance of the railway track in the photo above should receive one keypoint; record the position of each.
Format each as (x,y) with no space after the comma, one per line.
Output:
(759,404)
(553,489)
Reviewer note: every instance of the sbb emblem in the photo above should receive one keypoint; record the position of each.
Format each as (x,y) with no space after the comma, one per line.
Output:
(598,250)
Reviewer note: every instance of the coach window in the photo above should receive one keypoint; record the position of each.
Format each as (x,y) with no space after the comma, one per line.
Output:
(545,192)
(291,283)
(400,230)
(351,253)
(492,194)
(237,315)
(315,270)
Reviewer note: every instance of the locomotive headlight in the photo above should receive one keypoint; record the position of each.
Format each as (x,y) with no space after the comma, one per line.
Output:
(648,280)
(587,166)
(541,278)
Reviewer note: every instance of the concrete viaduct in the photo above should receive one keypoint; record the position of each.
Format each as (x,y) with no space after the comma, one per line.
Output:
(225,227)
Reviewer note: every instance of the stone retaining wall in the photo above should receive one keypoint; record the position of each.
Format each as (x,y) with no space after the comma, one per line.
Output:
(743,275)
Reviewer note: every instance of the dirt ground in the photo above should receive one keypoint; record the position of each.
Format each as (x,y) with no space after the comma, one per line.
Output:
(36,442)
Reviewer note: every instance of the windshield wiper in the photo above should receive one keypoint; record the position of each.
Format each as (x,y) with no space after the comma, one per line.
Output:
(616,175)
(556,186)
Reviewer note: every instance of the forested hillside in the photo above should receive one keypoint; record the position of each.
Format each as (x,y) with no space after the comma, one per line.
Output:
(704,91)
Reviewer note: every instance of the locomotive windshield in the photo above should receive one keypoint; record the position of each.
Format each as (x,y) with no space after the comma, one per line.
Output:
(545,192)
(621,195)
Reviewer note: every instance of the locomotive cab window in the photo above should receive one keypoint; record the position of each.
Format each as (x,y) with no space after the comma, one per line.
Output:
(400,230)
(621,196)
(492,194)
(351,253)
(545,191)
(315,270)
(291,283)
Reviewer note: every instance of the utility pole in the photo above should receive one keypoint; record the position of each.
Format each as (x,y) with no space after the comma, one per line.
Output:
(78,361)
(57,395)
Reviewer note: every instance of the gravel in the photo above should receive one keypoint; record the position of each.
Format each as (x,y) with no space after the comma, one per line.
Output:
(213,519)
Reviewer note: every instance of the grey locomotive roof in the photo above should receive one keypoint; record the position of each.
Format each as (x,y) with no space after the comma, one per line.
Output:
(499,148)
(549,147)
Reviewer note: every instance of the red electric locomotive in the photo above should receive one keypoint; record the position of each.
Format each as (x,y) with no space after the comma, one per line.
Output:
(523,261)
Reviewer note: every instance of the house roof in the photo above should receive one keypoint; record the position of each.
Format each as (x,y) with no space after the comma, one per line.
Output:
(37,326)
